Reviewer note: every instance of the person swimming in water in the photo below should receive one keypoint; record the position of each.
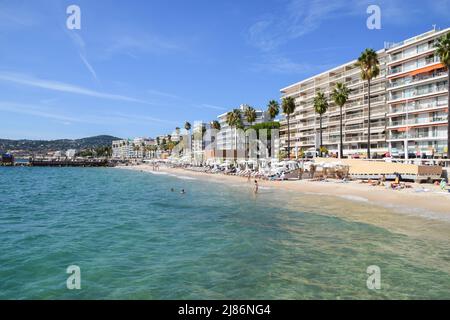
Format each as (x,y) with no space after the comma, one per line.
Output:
(182,191)
(172,190)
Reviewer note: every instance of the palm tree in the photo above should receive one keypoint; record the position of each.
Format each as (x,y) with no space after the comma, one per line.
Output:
(320,106)
(142,149)
(187,126)
(340,97)
(370,68)
(273,109)
(288,106)
(250,115)
(136,148)
(443,51)
(215,125)
(157,141)
(153,149)
(234,121)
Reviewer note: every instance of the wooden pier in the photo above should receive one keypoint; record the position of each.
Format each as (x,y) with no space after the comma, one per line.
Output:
(70,163)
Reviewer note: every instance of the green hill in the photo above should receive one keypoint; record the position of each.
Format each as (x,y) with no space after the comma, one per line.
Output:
(43,146)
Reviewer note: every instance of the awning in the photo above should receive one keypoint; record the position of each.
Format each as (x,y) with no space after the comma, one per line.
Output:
(426,69)
(418,71)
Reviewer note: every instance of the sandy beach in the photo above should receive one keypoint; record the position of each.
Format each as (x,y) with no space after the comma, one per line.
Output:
(421,197)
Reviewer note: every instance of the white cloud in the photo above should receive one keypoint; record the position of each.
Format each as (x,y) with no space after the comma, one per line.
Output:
(283,65)
(140,43)
(80,44)
(142,119)
(185,101)
(63,87)
(294,19)
(298,18)
(13,16)
(163,94)
(114,118)
(89,66)
(211,106)
(33,110)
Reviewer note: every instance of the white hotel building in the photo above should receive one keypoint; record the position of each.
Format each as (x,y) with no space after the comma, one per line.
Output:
(131,148)
(225,138)
(408,104)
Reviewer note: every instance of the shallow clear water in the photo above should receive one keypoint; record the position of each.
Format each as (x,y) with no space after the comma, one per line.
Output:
(135,239)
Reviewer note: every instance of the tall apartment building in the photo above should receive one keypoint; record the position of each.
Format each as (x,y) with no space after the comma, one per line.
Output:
(417,97)
(225,138)
(411,78)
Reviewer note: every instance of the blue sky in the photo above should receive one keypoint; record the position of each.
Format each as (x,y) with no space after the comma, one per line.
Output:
(141,67)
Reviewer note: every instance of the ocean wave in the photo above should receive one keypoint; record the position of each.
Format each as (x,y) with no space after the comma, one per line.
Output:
(161,173)
(418,212)
(354,198)
(183,177)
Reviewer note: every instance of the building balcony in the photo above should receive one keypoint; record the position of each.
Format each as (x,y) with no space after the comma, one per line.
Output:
(417,122)
(417,94)
(416,136)
(422,51)
(354,116)
(416,80)
(363,138)
(414,108)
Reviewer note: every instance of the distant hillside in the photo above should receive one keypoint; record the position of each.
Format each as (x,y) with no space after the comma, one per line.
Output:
(40,146)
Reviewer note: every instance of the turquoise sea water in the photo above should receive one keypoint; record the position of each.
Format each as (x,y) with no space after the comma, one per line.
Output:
(135,239)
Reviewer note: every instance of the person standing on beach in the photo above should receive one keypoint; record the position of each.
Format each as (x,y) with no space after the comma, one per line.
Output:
(312,171)
(255,190)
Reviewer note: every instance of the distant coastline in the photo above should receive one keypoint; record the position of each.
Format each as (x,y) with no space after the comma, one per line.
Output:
(25,148)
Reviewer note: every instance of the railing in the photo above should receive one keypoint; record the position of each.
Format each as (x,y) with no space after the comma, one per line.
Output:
(422,136)
(418,51)
(415,136)
(354,116)
(350,83)
(417,121)
(401,69)
(354,127)
(419,93)
(405,81)
(418,107)
(364,138)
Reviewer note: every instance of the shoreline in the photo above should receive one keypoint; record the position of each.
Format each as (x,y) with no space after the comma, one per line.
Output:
(419,215)
(435,203)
